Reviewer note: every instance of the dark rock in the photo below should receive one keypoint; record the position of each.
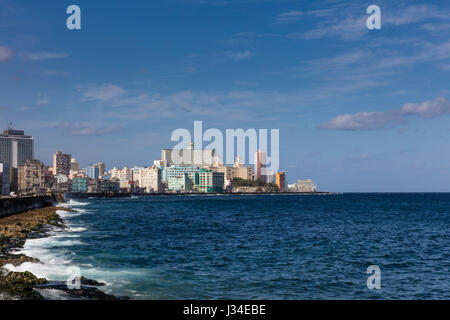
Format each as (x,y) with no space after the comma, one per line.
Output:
(21,285)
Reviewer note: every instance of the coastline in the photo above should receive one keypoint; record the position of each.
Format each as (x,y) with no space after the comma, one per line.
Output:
(14,231)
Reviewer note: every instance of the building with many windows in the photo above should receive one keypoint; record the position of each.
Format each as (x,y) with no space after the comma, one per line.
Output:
(109,186)
(181,177)
(92,171)
(4,180)
(32,177)
(15,148)
(80,185)
(188,157)
(236,171)
(148,178)
(207,180)
(61,163)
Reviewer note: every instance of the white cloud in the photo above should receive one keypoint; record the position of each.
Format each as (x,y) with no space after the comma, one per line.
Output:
(37,56)
(362,121)
(289,16)
(241,55)
(103,92)
(87,129)
(5,53)
(414,14)
(348,28)
(428,109)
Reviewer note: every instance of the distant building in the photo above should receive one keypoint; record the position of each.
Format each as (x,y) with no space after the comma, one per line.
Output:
(74,165)
(32,176)
(92,171)
(188,157)
(101,168)
(207,180)
(305,186)
(125,176)
(15,148)
(109,186)
(260,166)
(96,170)
(80,185)
(4,180)
(61,163)
(162,165)
(51,183)
(236,171)
(177,175)
(14,179)
(281,181)
(148,178)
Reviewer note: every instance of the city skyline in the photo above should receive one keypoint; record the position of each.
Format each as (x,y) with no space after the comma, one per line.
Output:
(357,109)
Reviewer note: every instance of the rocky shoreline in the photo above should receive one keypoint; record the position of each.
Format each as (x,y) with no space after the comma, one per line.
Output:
(14,230)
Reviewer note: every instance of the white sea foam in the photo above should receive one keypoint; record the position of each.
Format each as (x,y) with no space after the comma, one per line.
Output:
(75,203)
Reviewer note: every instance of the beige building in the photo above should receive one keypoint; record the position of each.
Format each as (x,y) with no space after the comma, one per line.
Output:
(32,177)
(306,186)
(236,171)
(74,165)
(150,179)
(124,175)
(188,157)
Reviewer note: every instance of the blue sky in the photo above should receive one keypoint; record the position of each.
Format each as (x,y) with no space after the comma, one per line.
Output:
(357,109)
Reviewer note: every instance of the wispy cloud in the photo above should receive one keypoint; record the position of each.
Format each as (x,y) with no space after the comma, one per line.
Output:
(5,53)
(289,16)
(87,129)
(414,14)
(103,92)
(42,100)
(37,56)
(56,73)
(240,55)
(363,121)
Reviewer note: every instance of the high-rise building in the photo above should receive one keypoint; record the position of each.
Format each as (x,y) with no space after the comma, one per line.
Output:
(32,175)
(281,181)
(188,157)
(15,147)
(14,179)
(92,171)
(101,168)
(150,179)
(125,176)
(4,180)
(260,166)
(61,163)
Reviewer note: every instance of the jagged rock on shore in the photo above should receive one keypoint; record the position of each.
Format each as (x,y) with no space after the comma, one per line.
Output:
(14,230)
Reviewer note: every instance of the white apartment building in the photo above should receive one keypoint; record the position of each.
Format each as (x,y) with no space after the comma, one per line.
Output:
(150,179)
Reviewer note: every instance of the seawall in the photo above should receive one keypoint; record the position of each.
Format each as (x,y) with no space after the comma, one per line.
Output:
(10,206)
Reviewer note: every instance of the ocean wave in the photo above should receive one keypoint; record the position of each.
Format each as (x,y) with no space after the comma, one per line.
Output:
(73,203)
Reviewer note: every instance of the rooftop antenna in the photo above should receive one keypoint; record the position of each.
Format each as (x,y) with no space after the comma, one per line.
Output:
(10,126)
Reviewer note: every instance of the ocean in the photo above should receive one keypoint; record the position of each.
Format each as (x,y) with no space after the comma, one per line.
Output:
(254,247)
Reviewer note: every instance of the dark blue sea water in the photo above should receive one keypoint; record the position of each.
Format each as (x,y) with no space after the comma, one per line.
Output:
(256,247)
